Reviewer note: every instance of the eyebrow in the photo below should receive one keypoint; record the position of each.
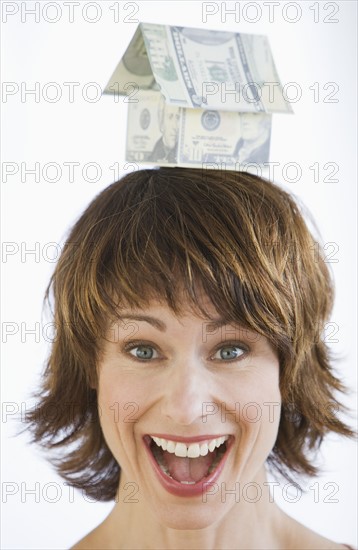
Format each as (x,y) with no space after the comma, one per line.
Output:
(148,319)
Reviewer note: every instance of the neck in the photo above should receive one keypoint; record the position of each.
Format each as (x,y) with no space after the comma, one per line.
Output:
(244,523)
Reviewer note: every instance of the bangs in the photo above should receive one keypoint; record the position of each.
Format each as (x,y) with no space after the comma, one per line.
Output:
(164,237)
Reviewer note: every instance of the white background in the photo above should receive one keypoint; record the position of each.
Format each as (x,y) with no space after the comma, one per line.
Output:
(84,132)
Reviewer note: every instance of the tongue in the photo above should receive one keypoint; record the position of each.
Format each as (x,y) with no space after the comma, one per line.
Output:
(188,469)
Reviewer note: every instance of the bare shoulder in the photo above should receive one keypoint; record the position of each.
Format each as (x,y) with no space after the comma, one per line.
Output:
(95,540)
(87,543)
(301,537)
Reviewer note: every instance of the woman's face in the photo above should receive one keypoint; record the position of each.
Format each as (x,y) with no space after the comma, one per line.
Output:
(190,410)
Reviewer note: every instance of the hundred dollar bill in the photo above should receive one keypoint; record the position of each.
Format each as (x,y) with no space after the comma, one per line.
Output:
(200,68)
(162,134)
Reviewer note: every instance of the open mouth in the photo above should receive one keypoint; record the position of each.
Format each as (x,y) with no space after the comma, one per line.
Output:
(185,468)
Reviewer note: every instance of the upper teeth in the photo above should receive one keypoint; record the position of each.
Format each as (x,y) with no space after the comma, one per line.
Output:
(191,451)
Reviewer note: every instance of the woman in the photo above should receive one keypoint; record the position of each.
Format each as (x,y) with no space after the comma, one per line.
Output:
(188,358)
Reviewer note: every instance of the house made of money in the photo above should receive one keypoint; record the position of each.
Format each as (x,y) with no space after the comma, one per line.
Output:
(198,97)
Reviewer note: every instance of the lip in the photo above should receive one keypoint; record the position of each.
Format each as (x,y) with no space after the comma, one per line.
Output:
(175,487)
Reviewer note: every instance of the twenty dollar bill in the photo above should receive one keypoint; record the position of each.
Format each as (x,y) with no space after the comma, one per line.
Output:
(159,133)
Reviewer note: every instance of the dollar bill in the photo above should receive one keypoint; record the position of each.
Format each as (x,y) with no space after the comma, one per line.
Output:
(133,70)
(162,134)
(200,68)
(223,137)
(152,130)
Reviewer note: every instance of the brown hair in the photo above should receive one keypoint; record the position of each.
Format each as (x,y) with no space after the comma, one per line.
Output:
(245,242)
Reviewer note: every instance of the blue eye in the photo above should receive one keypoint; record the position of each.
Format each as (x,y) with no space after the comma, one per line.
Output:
(229,352)
(146,352)
(142,352)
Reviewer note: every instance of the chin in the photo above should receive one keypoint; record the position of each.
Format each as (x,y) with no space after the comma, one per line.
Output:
(190,516)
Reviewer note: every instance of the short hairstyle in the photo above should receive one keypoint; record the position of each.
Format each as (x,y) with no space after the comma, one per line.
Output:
(243,240)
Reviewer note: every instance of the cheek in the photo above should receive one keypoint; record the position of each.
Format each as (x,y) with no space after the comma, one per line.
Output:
(256,406)
(255,402)
(260,395)
(121,400)
(259,417)
(117,394)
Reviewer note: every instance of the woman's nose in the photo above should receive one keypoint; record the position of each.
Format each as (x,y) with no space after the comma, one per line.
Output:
(186,392)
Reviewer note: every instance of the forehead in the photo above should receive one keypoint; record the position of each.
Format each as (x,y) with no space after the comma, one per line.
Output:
(160,309)
(189,324)
(160,316)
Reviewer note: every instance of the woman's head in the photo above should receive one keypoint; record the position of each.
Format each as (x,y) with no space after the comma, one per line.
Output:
(208,244)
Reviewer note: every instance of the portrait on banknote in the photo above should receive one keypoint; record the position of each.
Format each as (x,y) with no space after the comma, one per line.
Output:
(153,130)
(165,149)
(254,143)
